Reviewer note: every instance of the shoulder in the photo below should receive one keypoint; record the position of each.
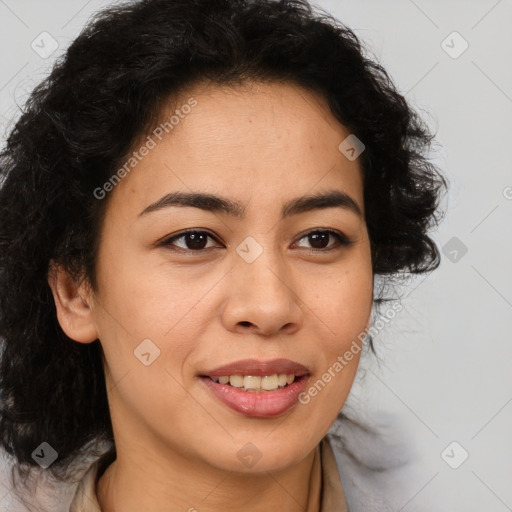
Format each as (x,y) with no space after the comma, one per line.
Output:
(85,498)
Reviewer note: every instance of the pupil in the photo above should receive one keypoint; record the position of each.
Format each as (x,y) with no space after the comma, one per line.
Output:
(315,238)
(196,240)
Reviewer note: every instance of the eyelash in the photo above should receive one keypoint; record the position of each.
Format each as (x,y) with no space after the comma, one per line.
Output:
(342,240)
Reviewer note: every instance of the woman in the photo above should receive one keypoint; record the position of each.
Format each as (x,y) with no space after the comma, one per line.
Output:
(195,207)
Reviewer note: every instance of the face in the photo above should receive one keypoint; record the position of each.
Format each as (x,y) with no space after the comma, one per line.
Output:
(250,283)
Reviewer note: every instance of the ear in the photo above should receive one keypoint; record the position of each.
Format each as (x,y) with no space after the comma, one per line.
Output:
(73,303)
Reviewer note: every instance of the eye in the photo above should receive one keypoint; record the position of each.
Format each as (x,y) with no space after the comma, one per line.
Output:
(192,240)
(319,239)
(196,241)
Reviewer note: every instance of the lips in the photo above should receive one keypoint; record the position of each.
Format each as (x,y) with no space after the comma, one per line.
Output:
(257,403)
(258,368)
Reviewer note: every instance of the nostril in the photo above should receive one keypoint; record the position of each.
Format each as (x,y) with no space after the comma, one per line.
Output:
(246,324)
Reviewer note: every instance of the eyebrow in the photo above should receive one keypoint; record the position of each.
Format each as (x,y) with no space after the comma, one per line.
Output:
(214,203)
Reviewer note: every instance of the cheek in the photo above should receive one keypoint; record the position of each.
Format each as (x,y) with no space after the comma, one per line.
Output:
(341,310)
(342,301)
(147,296)
(162,303)
(147,310)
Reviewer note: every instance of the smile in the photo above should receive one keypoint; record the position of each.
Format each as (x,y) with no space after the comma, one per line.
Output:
(252,383)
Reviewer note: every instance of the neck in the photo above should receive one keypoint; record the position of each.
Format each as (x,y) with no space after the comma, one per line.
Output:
(138,480)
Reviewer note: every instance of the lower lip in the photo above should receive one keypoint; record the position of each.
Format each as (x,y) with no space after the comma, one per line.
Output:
(264,404)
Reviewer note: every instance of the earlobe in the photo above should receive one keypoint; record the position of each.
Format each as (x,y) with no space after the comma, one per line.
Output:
(73,304)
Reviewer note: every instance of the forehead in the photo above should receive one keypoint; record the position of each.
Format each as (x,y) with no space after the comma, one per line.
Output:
(255,141)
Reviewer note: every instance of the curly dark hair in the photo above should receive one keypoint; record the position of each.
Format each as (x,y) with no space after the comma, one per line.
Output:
(80,123)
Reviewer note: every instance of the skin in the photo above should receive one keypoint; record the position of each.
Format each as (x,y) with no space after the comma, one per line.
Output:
(261,145)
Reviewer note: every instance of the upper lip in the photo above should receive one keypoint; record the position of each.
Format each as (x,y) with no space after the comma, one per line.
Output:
(258,368)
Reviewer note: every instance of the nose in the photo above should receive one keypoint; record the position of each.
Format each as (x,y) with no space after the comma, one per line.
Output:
(262,297)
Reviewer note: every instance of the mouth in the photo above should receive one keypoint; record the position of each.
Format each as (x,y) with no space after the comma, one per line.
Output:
(258,389)
(256,383)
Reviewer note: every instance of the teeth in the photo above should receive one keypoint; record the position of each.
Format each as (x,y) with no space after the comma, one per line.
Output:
(269,382)
(252,383)
(236,381)
(282,379)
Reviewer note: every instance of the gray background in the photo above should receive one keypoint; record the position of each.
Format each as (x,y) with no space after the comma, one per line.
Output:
(444,374)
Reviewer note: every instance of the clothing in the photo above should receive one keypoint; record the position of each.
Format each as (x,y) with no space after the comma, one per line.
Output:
(325,484)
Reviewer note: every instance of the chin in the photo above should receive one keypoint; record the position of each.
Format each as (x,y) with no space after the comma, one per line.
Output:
(260,455)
